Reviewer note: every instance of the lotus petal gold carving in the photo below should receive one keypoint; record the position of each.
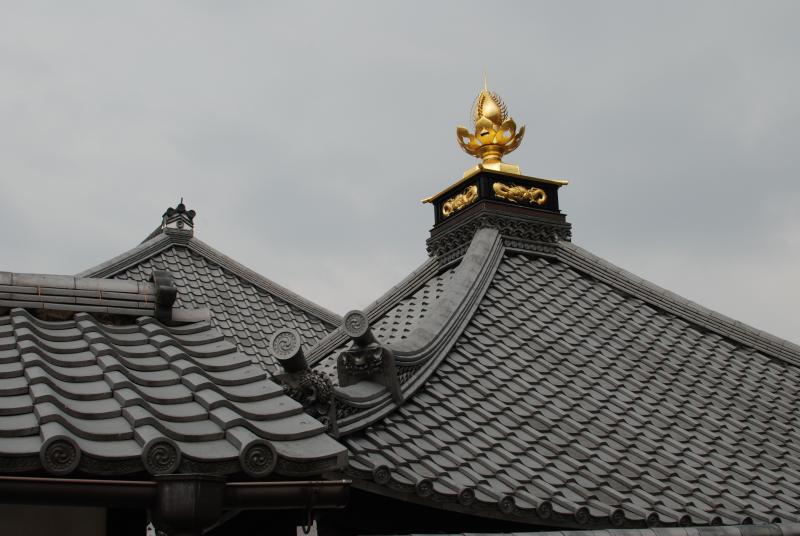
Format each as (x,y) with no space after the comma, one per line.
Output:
(494,135)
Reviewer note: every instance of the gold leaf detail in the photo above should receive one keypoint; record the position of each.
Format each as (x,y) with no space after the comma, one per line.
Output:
(494,134)
(516,193)
(456,203)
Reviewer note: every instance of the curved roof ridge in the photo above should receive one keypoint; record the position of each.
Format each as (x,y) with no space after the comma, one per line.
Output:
(378,308)
(569,378)
(429,342)
(581,259)
(454,309)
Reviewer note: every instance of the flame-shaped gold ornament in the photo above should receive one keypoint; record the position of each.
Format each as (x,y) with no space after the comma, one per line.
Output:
(495,133)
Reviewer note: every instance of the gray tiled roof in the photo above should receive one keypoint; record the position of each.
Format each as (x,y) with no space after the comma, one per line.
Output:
(383,306)
(246,307)
(576,394)
(401,319)
(81,396)
(782,529)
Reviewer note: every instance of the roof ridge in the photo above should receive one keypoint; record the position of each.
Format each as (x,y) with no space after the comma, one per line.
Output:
(473,277)
(242,271)
(585,261)
(74,294)
(133,256)
(555,361)
(162,241)
(430,341)
(378,308)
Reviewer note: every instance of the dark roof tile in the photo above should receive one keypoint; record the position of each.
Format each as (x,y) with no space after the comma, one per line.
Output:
(99,392)
(245,306)
(564,389)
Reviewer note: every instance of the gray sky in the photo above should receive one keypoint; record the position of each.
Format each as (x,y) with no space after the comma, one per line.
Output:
(305,134)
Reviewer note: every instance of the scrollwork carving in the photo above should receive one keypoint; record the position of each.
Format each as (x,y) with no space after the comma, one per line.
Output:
(506,504)
(355,324)
(309,387)
(652,519)
(514,193)
(520,229)
(60,455)
(313,389)
(545,509)
(285,344)
(617,517)
(381,475)
(161,456)
(424,487)
(583,516)
(460,201)
(366,358)
(258,458)
(466,496)
(363,361)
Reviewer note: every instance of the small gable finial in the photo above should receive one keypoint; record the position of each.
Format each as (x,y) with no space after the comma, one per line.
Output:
(178,218)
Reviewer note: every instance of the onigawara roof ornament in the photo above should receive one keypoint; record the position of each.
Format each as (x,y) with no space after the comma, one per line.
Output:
(495,133)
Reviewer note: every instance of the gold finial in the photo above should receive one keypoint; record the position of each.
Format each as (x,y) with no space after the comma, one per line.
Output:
(495,133)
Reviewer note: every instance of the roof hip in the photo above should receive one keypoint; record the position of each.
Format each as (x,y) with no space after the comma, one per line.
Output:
(432,338)
(584,261)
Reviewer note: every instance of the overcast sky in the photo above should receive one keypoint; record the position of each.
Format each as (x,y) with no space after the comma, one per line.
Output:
(305,134)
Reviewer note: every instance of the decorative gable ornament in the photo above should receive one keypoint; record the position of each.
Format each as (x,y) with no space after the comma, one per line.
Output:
(178,218)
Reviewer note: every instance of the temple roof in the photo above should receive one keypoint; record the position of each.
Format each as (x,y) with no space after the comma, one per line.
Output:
(83,397)
(783,529)
(513,375)
(539,383)
(245,306)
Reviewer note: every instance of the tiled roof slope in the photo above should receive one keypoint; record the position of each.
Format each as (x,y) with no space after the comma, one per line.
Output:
(387,304)
(401,319)
(246,307)
(782,529)
(79,396)
(399,322)
(577,395)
